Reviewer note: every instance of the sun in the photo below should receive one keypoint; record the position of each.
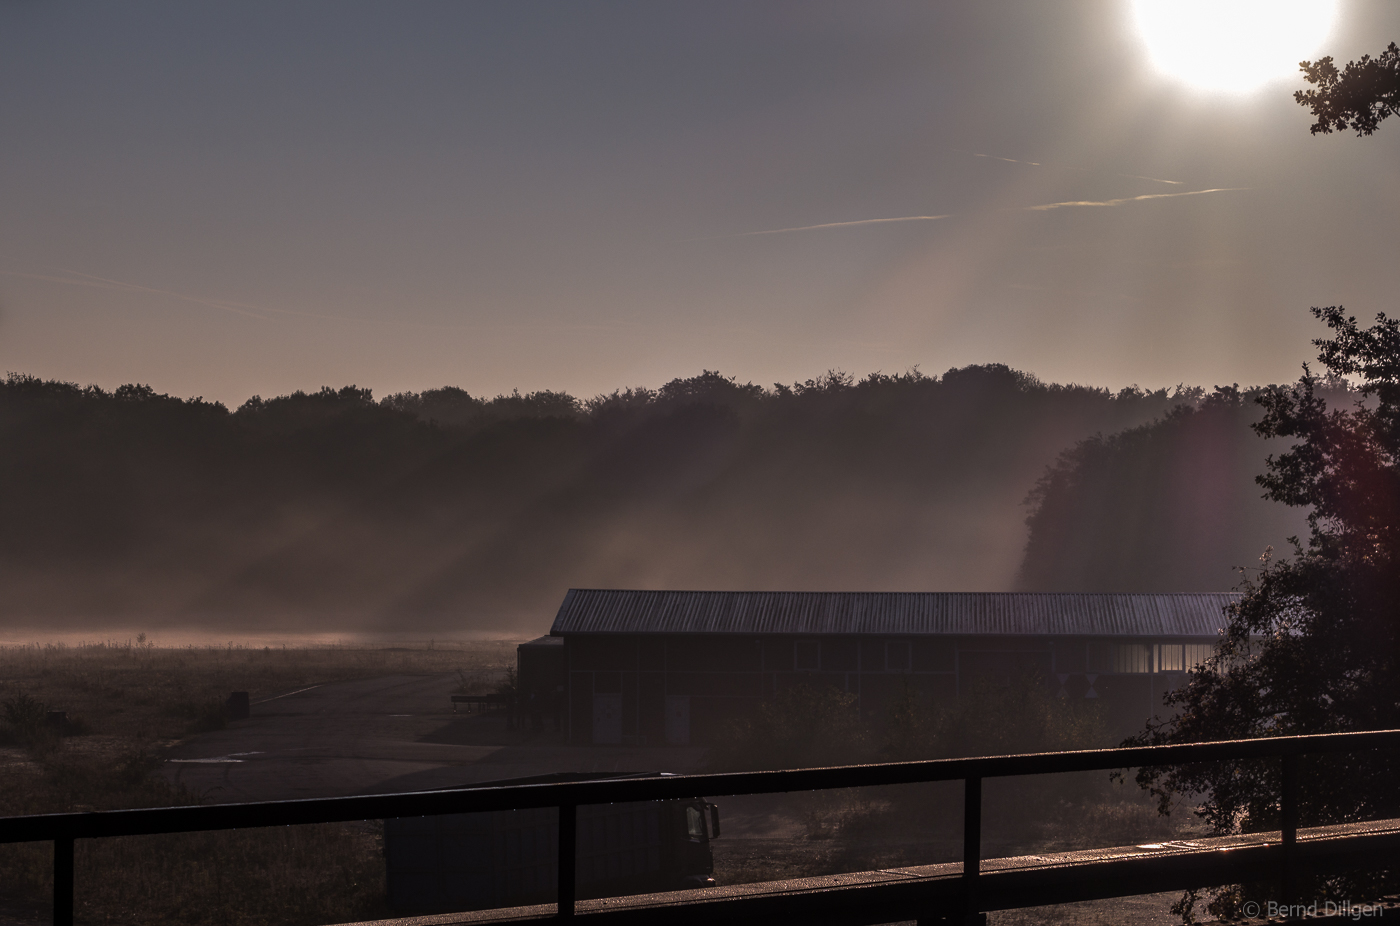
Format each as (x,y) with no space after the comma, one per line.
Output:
(1232,46)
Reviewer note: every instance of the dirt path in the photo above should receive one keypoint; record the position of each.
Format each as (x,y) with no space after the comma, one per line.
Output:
(395,733)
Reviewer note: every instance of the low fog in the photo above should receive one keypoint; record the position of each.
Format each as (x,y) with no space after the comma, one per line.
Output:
(443,511)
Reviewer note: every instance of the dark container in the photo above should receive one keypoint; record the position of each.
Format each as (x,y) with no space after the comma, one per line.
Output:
(237,704)
(508,858)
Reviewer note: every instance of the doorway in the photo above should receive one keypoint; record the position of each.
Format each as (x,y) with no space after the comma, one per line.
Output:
(678,720)
(607,719)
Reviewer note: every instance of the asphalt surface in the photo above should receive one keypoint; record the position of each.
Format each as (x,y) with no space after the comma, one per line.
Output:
(381,735)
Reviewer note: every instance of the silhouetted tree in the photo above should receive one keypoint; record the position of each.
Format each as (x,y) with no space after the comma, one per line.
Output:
(1360,97)
(1314,646)
(1169,506)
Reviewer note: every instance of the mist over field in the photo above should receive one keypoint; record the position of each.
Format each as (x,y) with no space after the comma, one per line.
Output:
(335,511)
(223,200)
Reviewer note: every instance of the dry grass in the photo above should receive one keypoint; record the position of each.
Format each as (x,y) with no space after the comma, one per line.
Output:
(136,700)
(147,694)
(822,833)
(294,875)
(133,701)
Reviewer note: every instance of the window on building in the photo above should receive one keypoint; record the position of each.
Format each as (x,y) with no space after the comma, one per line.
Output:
(1132,657)
(1197,653)
(896,655)
(931,656)
(1120,658)
(809,655)
(1169,657)
(1100,657)
(840,654)
(1177,657)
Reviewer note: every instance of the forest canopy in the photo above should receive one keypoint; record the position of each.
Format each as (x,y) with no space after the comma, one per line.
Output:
(444,509)
(1120,513)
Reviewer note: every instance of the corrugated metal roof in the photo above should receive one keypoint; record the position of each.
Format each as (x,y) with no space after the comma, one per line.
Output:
(893,613)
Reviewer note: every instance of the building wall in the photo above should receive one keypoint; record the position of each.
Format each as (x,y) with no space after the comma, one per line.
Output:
(712,677)
(540,667)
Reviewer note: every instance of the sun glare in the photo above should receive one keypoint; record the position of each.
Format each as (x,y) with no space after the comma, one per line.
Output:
(1232,46)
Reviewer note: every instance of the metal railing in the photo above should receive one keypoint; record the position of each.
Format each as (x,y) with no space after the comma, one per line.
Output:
(65,828)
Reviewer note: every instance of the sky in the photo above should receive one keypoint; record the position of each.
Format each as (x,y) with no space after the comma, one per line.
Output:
(229,199)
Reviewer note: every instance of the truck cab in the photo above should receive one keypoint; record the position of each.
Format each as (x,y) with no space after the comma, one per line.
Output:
(695,862)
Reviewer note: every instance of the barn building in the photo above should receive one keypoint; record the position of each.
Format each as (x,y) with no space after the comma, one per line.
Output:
(650,667)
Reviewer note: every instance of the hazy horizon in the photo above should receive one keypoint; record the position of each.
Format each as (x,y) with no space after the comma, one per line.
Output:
(330,512)
(526,389)
(229,200)
(258,200)
(166,637)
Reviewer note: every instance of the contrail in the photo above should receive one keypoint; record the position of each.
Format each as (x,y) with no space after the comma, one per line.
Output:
(121,286)
(1153,179)
(948,215)
(993,157)
(94,282)
(1086,170)
(202,300)
(1132,199)
(266,314)
(801,228)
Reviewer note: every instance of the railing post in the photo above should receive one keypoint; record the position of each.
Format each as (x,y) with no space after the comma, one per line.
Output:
(63,881)
(1288,800)
(568,854)
(972,846)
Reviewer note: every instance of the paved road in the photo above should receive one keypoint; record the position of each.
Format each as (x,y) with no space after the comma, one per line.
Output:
(397,733)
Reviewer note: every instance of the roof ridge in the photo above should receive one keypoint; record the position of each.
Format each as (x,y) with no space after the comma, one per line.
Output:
(1193,614)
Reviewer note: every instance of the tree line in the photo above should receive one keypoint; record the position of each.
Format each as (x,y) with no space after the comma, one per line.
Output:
(443,509)
(1168,506)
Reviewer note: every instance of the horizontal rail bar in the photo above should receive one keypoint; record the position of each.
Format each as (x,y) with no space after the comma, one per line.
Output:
(873,897)
(148,821)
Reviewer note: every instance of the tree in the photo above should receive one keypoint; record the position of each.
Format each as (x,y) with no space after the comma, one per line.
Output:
(1164,507)
(1314,644)
(1360,97)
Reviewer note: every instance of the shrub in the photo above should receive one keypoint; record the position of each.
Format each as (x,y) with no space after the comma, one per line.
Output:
(203,716)
(25,713)
(25,724)
(802,726)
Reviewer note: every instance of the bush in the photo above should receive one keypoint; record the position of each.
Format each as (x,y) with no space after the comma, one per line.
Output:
(802,727)
(25,723)
(204,716)
(1017,716)
(25,713)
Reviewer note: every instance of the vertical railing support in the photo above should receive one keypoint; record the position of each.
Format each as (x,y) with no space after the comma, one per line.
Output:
(972,846)
(1288,811)
(568,855)
(63,881)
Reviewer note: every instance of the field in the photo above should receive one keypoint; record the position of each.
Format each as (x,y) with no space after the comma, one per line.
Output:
(126,704)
